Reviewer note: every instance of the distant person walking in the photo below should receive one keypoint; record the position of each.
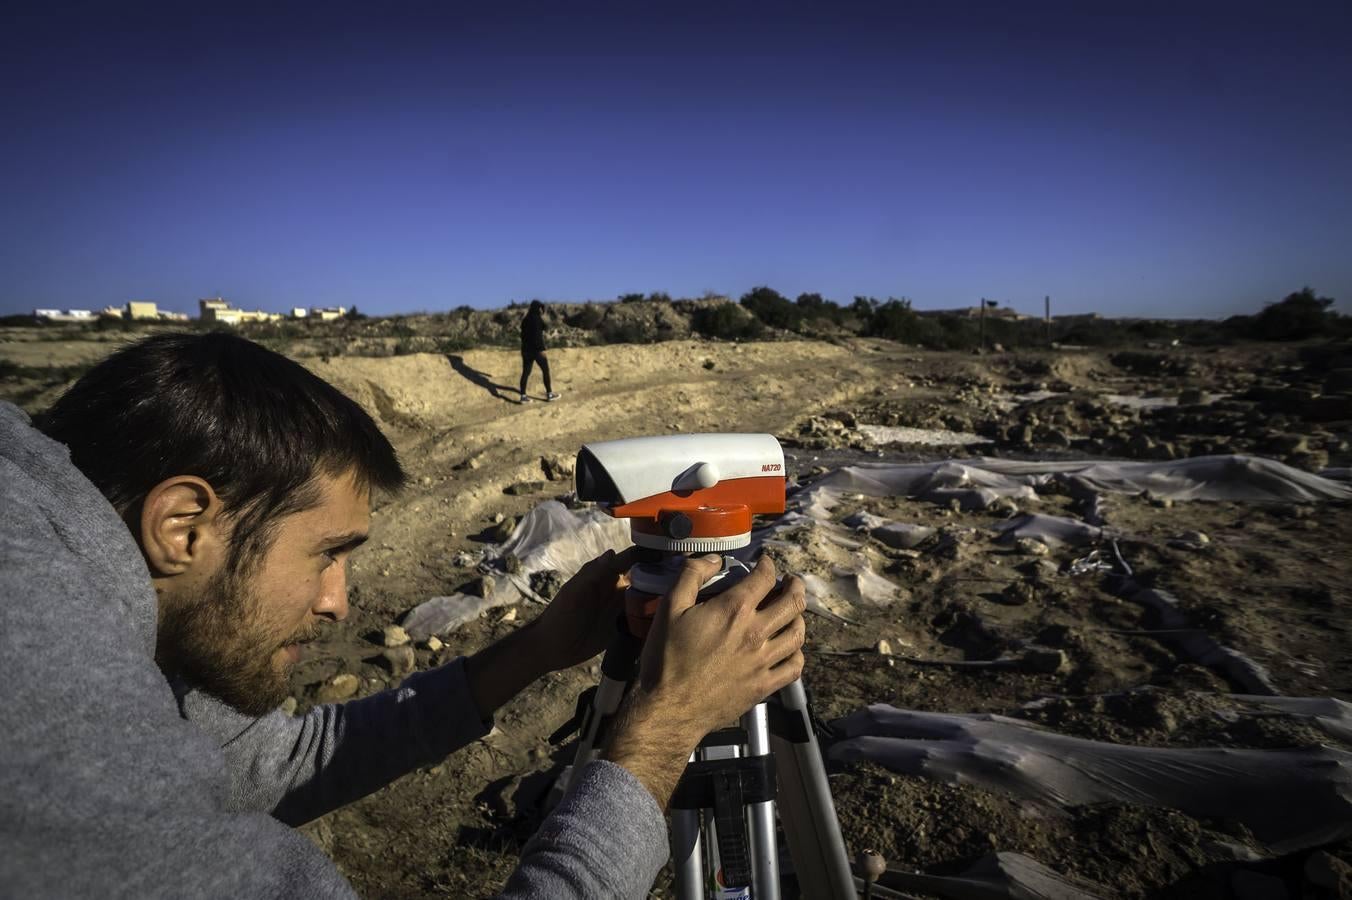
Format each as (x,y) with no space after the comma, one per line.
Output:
(533,349)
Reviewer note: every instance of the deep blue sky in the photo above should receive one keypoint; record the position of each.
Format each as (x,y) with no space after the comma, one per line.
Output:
(1131,159)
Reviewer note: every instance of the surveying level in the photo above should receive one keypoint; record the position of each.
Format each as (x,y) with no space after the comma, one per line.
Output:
(697,494)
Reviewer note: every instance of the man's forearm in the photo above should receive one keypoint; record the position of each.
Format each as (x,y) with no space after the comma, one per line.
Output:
(503,669)
(653,742)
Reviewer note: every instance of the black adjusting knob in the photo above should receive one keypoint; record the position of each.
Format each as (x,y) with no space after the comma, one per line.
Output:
(677,526)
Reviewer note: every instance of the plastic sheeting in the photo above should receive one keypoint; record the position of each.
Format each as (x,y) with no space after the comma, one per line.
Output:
(1053,531)
(553,537)
(976,483)
(897,535)
(1334,716)
(1289,799)
(549,537)
(846,589)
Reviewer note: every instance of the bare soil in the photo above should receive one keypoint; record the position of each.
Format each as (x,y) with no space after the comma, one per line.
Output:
(1271,582)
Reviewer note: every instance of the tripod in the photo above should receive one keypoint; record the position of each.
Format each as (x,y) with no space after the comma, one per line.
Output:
(724,841)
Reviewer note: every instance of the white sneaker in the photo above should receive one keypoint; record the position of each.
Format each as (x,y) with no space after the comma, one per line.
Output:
(551,396)
(525,399)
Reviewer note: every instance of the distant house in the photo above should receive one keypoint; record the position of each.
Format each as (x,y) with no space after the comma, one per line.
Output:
(112,312)
(215,309)
(142,309)
(328,313)
(299,312)
(64,315)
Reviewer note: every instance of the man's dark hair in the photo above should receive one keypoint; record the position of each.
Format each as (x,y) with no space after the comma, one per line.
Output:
(253,424)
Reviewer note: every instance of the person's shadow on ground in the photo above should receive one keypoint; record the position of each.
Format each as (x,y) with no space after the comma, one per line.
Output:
(504,392)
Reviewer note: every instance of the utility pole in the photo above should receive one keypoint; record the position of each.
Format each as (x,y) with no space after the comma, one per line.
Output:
(983,323)
(1047,317)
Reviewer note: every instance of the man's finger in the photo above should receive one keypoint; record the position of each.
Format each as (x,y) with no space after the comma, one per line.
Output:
(695,571)
(786,605)
(786,643)
(753,588)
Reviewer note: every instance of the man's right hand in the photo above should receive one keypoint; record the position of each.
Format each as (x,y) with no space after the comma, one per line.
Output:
(704,664)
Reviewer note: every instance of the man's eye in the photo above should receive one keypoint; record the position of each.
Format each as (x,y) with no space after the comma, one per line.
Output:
(333,554)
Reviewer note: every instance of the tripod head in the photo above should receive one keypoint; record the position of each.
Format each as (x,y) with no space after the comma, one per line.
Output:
(683,494)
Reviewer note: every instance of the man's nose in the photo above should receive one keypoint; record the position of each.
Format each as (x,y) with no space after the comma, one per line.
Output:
(332,602)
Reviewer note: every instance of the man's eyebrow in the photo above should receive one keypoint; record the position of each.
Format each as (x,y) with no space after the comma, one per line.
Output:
(348,539)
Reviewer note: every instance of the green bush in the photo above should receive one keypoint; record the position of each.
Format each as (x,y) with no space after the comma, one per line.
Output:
(615,331)
(1296,317)
(726,322)
(772,308)
(816,308)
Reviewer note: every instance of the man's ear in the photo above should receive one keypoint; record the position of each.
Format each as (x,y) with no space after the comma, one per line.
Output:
(181,526)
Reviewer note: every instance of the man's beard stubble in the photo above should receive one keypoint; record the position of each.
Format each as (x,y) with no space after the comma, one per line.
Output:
(218,644)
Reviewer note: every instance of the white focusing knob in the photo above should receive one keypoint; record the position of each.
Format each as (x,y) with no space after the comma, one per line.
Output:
(699,476)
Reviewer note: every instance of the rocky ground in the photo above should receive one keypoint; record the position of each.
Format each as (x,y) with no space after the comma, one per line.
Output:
(1270,581)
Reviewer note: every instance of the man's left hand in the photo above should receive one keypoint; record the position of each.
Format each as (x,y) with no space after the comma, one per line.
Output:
(580,621)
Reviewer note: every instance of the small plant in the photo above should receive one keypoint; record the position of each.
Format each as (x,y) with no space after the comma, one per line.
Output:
(587,318)
(621,332)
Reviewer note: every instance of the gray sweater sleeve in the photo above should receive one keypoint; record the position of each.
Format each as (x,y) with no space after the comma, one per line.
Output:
(299,768)
(607,838)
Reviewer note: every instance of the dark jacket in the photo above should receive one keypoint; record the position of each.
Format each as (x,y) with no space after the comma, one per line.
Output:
(533,334)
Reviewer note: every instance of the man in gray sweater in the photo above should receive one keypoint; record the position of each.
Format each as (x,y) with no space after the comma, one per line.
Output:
(179,530)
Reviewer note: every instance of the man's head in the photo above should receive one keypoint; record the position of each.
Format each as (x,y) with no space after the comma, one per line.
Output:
(246,481)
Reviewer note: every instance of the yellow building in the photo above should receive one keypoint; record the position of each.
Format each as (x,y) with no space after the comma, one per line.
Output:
(142,309)
(214,309)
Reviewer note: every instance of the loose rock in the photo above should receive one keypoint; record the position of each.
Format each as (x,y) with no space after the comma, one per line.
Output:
(399,660)
(340,687)
(394,636)
(1043,660)
(556,467)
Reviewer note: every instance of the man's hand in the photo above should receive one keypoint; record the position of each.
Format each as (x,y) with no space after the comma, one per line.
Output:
(577,625)
(580,621)
(704,665)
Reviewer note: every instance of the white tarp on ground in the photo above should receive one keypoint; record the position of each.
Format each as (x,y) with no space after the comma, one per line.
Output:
(1289,799)
(976,483)
(933,437)
(1053,531)
(550,537)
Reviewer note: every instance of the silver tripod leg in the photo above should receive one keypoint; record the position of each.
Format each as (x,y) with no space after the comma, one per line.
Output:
(805,807)
(761,816)
(609,694)
(687,853)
